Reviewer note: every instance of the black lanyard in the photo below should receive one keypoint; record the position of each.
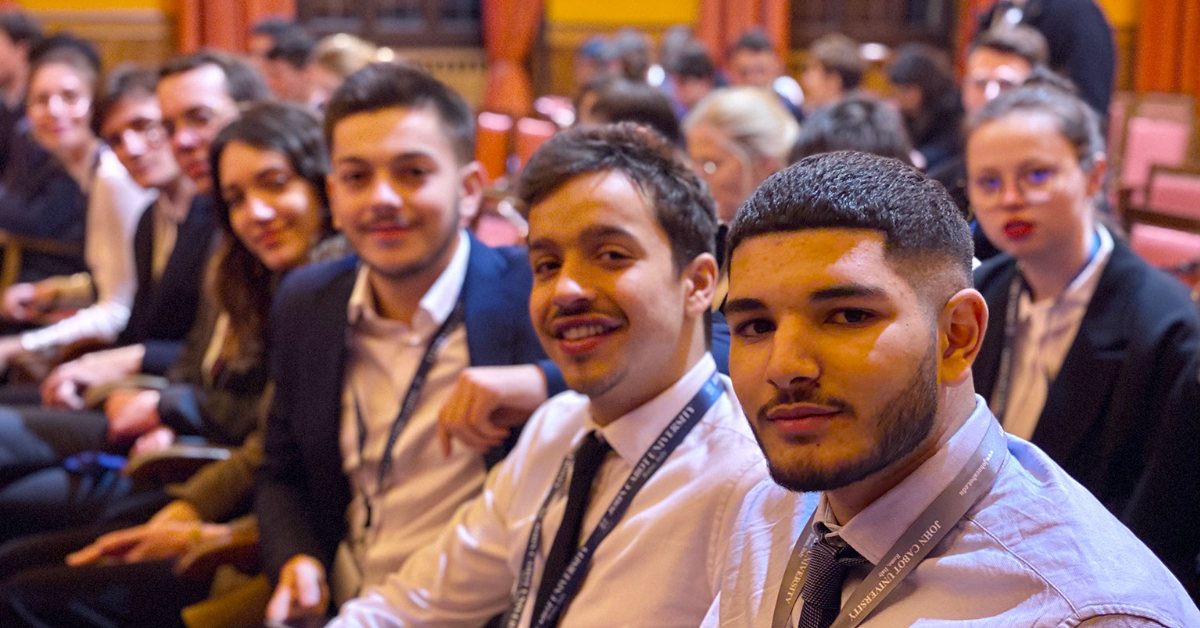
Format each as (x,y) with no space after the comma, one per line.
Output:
(572,577)
(913,546)
(408,405)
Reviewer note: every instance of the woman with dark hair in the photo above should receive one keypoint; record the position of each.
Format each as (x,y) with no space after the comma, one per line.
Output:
(927,95)
(1090,353)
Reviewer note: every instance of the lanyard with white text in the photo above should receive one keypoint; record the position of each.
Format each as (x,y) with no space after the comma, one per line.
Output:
(999,401)
(408,405)
(914,545)
(650,462)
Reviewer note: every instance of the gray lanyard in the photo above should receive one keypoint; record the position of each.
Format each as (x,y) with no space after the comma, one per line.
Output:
(914,545)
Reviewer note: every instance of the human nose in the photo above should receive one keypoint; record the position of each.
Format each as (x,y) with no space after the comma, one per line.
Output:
(384,194)
(260,210)
(571,285)
(185,137)
(133,142)
(791,364)
(1011,193)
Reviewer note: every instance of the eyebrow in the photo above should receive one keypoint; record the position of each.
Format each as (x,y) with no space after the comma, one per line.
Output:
(834,293)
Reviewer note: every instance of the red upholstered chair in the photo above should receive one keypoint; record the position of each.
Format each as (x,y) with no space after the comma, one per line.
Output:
(532,133)
(493,135)
(1176,252)
(1150,142)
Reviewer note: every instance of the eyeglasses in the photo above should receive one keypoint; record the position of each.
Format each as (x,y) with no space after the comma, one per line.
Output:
(144,131)
(1035,184)
(71,102)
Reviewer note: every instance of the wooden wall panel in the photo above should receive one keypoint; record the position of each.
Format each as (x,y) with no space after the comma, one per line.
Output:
(123,35)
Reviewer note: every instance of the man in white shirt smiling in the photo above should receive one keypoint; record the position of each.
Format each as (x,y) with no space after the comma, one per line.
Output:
(620,242)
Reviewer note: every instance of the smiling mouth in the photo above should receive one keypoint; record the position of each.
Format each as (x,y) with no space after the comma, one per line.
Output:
(582,331)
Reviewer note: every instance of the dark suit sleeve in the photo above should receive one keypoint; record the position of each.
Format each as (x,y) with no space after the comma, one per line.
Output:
(281,491)
(1164,508)
(1083,41)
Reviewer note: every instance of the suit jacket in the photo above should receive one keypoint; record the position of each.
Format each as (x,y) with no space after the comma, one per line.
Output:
(302,493)
(164,310)
(1123,415)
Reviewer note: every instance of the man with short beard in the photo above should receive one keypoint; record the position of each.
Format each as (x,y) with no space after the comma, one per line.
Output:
(854,330)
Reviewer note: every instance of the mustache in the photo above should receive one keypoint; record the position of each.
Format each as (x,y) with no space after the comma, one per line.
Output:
(808,394)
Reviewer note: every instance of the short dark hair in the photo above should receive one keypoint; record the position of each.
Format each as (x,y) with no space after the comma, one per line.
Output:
(925,67)
(753,40)
(273,27)
(855,123)
(244,83)
(295,47)
(1076,120)
(682,205)
(838,54)
(20,28)
(853,190)
(1020,40)
(623,100)
(69,50)
(631,49)
(125,81)
(386,85)
(693,61)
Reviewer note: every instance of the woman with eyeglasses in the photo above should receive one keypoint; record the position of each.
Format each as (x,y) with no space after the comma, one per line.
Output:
(80,187)
(1090,352)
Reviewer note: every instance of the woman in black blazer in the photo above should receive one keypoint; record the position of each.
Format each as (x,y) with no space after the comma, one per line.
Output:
(1090,352)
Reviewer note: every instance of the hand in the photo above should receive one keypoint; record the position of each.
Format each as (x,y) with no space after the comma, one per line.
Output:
(171,532)
(302,590)
(64,385)
(25,301)
(487,401)
(156,439)
(10,347)
(131,413)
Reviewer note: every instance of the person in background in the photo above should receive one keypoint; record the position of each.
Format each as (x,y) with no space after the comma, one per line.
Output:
(927,95)
(1090,353)
(736,138)
(1079,38)
(334,58)
(856,123)
(270,169)
(592,60)
(198,94)
(286,65)
(631,54)
(998,60)
(48,192)
(753,62)
(832,69)
(262,39)
(116,201)
(19,34)
(694,76)
(621,100)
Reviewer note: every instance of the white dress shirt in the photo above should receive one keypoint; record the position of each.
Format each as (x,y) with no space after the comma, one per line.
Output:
(1046,329)
(423,488)
(115,204)
(659,566)
(1036,551)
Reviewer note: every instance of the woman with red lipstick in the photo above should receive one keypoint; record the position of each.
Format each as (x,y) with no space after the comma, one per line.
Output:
(1090,352)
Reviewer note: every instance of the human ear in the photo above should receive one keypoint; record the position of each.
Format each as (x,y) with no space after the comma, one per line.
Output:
(1096,175)
(700,280)
(470,190)
(961,325)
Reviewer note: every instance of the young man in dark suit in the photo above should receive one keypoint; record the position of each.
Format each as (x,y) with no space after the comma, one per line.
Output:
(367,352)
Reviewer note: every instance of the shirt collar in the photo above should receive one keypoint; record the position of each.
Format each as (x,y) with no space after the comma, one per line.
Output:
(874,530)
(1079,292)
(436,304)
(632,434)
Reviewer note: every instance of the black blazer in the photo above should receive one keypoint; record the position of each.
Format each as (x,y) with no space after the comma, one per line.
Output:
(302,493)
(1123,415)
(163,311)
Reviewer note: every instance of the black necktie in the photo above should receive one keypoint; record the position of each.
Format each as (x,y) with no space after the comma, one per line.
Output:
(588,459)
(822,591)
